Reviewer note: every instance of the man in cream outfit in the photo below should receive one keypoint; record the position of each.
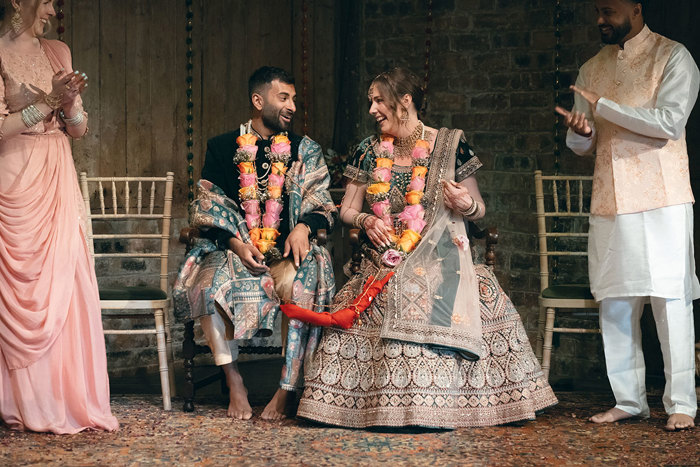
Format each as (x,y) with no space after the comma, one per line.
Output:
(632,102)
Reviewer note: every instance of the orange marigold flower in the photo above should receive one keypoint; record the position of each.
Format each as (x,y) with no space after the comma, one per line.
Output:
(265,245)
(247,192)
(408,240)
(247,139)
(269,233)
(247,167)
(384,162)
(421,143)
(278,168)
(381,187)
(414,197)
(419,171)
(274,191)
(280,139)
(255,235)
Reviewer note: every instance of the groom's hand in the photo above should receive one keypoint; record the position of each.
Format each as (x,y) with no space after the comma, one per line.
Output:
(249,255)
(298,243)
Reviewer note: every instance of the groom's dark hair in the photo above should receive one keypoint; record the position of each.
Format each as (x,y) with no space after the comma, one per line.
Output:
(266,75)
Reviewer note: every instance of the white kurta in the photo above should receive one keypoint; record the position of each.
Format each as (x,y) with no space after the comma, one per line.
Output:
(643,254)
(647,253)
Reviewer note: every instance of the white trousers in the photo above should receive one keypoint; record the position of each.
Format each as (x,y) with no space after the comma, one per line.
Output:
(622,342)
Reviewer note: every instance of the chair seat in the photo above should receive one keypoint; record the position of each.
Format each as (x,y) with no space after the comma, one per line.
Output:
(132,293)
(568,292)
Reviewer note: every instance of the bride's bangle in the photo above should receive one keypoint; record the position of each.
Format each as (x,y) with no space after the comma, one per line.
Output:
(358,220)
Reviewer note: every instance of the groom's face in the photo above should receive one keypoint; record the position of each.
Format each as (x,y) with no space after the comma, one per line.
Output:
(279,106)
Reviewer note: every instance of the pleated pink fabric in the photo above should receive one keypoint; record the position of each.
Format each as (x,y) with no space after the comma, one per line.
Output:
(53,366)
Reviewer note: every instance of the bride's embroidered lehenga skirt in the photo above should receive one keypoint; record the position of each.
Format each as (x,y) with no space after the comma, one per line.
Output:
(357,379)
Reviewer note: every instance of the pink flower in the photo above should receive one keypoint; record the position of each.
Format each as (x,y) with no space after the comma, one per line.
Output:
(417,184)
(381,208)
(420,153)
(273,206)
(382,174)
(387,146)
(247,179)
(281,148)
(252,220)
(391,258)
(462,242)
(413,211)
(252,149)
(415,224)
(270,219)
(276,180)
(252,206)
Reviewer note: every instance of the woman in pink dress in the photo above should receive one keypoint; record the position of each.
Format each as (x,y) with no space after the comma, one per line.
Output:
(53,366)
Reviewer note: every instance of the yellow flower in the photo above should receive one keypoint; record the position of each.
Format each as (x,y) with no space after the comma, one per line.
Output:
(389,138)
(278,168)
(384,162)
(265,245)
(414,197)
(419,171)
(274,191)
(247,192)
(408,240)
(246,140)
(269,233)
(246,167)
(280,139)
(382,187)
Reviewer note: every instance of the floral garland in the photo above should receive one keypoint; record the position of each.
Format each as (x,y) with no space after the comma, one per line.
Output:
(262,227)
(411,217)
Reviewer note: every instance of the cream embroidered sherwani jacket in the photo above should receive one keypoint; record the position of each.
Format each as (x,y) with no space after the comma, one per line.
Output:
(648,89)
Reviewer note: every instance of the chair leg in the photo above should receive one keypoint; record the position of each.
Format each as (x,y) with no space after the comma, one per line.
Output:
(170,356)
(540,334)
(188,352)
(162,359)
(547,347)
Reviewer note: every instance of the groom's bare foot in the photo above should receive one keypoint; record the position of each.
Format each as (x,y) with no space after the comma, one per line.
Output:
(610,416)
(679,421)
(275,409)
(238,407)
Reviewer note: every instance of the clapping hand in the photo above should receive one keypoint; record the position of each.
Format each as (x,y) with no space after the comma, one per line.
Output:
(577,121)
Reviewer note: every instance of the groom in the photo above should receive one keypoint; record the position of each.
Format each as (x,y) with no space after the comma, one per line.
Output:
(262,196)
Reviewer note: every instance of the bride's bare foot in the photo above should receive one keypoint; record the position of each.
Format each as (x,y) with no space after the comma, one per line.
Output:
(238,407)
(612,415)
(275,409)
(679,421)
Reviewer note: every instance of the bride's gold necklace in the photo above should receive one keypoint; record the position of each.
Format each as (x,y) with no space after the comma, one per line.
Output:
(404,146)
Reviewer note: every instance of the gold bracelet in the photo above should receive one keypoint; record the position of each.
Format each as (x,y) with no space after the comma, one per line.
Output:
(53,101)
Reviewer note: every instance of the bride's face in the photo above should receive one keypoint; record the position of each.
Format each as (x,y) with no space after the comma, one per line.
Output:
(387,120)
(36,21)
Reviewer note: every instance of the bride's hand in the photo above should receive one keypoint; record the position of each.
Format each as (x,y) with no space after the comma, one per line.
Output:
(456,196)
(377,231)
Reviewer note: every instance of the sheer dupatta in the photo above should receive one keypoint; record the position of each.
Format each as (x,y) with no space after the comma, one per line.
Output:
(433,298)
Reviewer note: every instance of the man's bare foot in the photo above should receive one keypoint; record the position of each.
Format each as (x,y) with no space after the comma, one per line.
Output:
(679,421)
(238,407)
(275,409)
(609,416)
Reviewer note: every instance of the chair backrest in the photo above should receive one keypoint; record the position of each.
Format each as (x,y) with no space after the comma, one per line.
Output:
(563,208)
(152,202)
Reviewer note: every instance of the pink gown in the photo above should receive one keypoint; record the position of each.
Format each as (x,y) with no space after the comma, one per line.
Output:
(53,365)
